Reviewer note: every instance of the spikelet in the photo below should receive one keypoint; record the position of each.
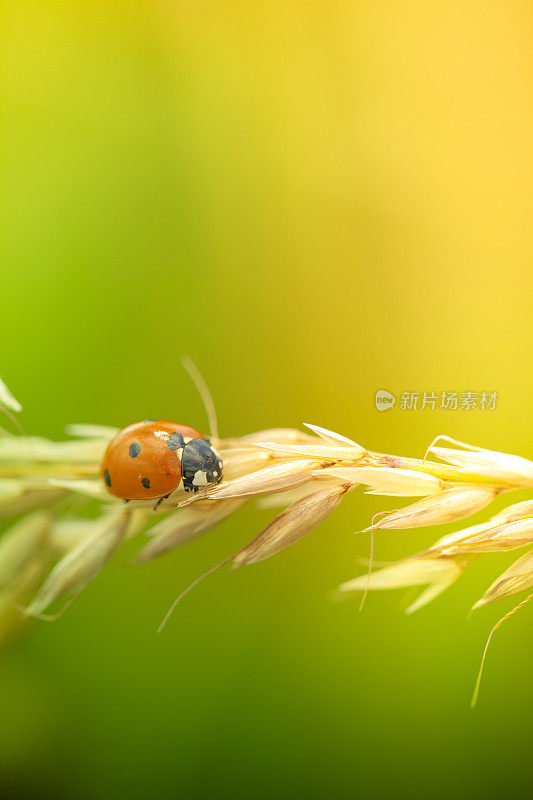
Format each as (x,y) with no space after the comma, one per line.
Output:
(241,461)
(508,529)
(328,452)
(269,480)
(386,481)
(439,573)
(516,511)
(23,545)
(516,578)
(93,488)
(186,525)
(331,436)
(36,450)
(497,539)
(82,564)
(285,499)
(31,497)
(492,464)
(67,532)
(291,525)
(281,435)
(83,431)
(7,400)
(447,506)
(10,488)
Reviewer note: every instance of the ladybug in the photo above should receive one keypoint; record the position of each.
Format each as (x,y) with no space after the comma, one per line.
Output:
(148,460)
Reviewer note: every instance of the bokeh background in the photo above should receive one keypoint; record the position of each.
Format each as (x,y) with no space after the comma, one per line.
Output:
(314,201)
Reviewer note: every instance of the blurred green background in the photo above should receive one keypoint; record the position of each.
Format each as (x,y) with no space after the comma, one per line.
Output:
(314,201)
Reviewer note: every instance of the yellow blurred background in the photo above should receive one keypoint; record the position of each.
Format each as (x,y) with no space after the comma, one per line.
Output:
(314,200)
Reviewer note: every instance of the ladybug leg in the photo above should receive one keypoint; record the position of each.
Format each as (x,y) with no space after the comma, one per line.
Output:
(161,500)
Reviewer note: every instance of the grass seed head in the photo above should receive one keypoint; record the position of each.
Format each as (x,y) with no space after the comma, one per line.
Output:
(310,472)
(494,535)
(23,544)
(243,460)
(509,469)
(30,498)
(277,478)
(7,399)
(335,438)
(516,511)
(83,431)
(516,578)
(291,525)
(178,529)
(384,480)
(11,488)
(439,573)
(280,435)
(93,488)
(35,450)
(447,506)
(327,452)
(285,499)
(83,562)
(493,539)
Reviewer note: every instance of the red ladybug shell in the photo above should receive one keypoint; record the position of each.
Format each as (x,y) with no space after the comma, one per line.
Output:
(143,461)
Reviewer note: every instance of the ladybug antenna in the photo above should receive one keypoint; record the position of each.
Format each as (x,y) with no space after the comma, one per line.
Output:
(203,390)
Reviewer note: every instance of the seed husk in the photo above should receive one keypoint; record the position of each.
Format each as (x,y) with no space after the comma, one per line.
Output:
(493,464)
(7,399)
(83,563)
(291,525)
(439,573)
(397,482)
(327,452)
(332,436)
(516,578)
(269,480)
(186,525)
(447,506)
(21,545)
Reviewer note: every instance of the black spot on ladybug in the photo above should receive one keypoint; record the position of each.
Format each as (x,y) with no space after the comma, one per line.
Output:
(175,441)
(146,483)
(134,449)
(107,477)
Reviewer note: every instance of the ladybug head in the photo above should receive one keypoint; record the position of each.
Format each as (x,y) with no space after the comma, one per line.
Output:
(201,466)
